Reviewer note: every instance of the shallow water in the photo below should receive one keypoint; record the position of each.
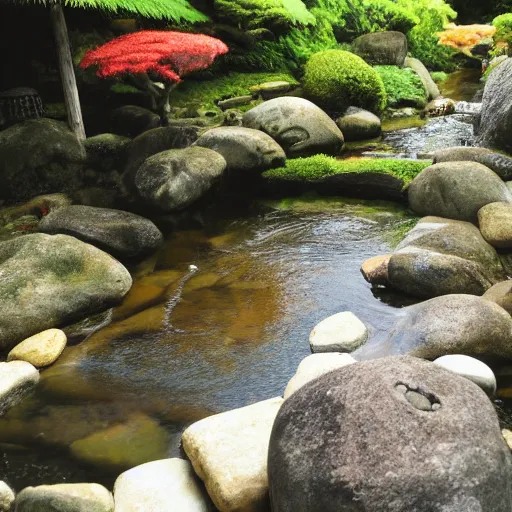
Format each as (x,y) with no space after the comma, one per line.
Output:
(231,334)
(462,85)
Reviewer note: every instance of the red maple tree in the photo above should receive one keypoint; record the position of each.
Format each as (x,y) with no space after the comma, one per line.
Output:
(166,54)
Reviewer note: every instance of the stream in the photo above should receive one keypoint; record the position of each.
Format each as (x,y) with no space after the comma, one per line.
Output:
(228,331)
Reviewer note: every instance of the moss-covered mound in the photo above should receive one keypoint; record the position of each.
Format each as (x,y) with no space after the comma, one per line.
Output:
(204,93)
(337,79)
(503,24)
(321,166)
(403,87)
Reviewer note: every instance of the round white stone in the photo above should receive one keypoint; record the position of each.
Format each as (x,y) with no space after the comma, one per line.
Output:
(166,485)
(6,497)
(342,332)
(314,366)
(471,369)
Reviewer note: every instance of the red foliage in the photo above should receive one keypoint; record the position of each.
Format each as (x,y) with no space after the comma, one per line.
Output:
(168,54)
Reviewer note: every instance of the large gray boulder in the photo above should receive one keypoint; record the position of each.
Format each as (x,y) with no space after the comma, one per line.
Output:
(452,324)
(382,48)
(106,151)
(358,124)
(153,142)
(494,127)
(53,281)
(497,162)
(122,234)
(456,190)
(398,434)
(244,149)
(299,126)
(174,179)
(431,88)
(39,156)
(441,256)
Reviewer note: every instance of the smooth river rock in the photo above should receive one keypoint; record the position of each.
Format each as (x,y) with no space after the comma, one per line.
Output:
(398,434)
(40,350)
(65,498)
(501,294)
(313,366)
(298,126)
(342,332)
(382,48)
(442,256)
(122,234)
(168,485)
(358,124)
(497,162)
(471,369)
(452,324)
(174,179)
(495,222)
(229,453)
(17,380)
(6,497)
(456,190)
(244,149)
(53,281)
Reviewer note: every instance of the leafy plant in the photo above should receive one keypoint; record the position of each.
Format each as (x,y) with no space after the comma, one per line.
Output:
(275,15)
(403,86)
(168,55)
(423,42)
(337,79)
(503,36)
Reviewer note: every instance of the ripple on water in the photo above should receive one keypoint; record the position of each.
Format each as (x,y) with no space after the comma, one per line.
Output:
(236,334)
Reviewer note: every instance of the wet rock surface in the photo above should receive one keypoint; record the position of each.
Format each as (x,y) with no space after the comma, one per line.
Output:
(122,234)
(403,458)
(298,126)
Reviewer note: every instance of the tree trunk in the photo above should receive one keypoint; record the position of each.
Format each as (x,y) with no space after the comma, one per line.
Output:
(67,72)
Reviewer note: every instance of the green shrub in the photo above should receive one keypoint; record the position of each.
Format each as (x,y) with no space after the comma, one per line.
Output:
(320,166)
(337,79)
(423,43)
(403,86)
(439,76)
(503,26)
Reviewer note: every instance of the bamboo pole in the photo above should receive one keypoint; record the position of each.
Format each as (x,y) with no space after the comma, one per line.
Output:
(67,72)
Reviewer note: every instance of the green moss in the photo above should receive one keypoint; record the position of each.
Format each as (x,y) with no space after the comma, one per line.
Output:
(439,76)
(503,24)
(204,93)
(400,230)
(321,166)
(337,79)
(403,86)
(403,123)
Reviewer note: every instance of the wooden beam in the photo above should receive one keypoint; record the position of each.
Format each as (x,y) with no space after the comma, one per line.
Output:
(67,71)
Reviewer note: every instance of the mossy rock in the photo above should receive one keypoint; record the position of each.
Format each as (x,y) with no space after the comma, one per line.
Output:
(39,156)
(379,178)
(337,79)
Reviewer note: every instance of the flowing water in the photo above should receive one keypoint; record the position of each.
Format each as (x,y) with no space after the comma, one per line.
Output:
(187,343)
(218,319)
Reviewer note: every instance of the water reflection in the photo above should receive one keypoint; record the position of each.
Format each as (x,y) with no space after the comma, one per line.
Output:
(235,333)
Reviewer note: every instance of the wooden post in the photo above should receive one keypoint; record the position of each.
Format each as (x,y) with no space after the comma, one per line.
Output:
(67,72)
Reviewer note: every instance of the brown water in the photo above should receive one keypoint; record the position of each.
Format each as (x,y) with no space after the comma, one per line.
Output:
(462,85)
(184,345)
